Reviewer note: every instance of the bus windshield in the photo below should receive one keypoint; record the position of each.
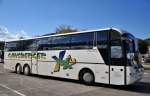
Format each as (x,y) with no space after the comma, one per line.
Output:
(131,49)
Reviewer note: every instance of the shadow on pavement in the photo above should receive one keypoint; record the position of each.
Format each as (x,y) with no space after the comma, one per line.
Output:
(55,78)
(140,87)
(146,68)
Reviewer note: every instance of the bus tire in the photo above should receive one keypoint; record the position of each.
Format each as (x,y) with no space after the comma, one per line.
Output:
(87,77)
(26,70)
(18,69)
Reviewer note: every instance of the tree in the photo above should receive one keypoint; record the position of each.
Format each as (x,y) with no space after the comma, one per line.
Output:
(143,46)
(65,29)
(148,41)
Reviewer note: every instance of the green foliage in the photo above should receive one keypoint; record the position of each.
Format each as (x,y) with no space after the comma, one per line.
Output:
(148,41)
(1,45)
(65,29)
(143,46)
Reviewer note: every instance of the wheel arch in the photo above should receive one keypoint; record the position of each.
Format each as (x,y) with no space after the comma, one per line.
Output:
(26,64)
(18,64)
(84,70)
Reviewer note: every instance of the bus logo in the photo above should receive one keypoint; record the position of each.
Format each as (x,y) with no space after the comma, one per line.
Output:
(60,61)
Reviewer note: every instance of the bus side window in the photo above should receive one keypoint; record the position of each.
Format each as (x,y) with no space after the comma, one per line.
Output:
(29,45)
(102,45)
(61,42)
(44,44)
(116,53)
(82,41)
(13,46)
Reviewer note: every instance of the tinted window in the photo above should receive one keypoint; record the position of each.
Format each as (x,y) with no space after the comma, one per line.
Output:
(116,53)
(44,43)
(116,49)
(130,45)
(82,41)
(115,35)
(22,45)
(29,45)
(102,44)
(10,45)
(102,39)
(13,46)
(61,42)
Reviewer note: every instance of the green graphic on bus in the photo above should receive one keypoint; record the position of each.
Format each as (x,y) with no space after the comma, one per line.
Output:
(60,61)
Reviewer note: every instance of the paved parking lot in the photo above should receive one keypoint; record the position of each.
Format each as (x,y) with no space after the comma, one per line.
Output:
(12,84)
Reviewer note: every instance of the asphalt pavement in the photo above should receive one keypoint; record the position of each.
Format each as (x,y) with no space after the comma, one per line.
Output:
(12,84)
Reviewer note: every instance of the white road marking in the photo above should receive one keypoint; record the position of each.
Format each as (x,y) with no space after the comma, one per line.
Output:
(145,73)
(15,91)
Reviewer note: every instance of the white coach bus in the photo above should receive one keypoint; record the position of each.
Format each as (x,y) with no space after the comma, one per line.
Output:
(107,56)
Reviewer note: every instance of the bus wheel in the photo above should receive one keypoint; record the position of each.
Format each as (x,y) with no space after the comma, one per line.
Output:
(87,77)
(18,69)
(26,70)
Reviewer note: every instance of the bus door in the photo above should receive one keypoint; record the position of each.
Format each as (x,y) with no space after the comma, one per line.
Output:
(117,65)
(34,62)
(102,45)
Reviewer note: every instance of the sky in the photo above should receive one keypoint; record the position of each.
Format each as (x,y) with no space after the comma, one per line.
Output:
(38,17)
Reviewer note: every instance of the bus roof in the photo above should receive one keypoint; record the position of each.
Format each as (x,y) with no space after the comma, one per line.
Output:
(86,31)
